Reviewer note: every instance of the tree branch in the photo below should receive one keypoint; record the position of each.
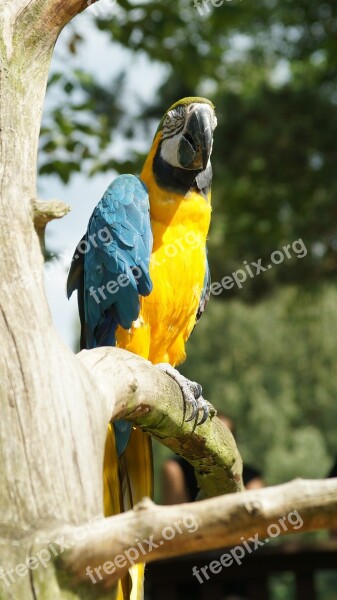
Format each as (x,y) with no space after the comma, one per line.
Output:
(153,401)
(44,212)
(36,23)
(296,506)
(47,211)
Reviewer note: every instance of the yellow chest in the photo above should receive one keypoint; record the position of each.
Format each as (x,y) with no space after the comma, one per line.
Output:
(177,271)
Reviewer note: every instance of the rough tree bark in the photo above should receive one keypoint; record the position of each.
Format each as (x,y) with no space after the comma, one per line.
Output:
(54,410)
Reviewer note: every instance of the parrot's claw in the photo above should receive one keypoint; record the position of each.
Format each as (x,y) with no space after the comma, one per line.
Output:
(203,405)
(192,393)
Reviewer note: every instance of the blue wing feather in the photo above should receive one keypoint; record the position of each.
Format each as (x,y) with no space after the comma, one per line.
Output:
(114,268)
(117,269)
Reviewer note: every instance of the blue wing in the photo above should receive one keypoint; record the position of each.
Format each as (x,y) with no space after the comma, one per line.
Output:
(110,268)
(206,291)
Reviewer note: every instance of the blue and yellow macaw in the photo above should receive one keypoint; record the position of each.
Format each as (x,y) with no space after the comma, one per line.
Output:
(143,281)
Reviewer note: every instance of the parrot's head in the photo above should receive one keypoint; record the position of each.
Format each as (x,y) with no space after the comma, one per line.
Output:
(182,146)
(187,134)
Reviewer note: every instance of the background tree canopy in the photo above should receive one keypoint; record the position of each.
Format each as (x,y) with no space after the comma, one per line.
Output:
(264,353)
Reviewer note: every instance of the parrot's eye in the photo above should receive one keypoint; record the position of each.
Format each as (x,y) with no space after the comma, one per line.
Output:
(177,113)
(174,122)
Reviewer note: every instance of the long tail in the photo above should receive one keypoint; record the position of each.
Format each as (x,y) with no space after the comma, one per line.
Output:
(126,481)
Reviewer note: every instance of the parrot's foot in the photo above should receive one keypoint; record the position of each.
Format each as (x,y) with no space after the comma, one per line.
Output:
(192,393)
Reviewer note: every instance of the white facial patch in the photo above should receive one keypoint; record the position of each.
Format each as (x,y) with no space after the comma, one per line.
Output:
(169,150)
(173,122)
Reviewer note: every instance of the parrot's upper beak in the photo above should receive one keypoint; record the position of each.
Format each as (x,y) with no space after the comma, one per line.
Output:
(196,141)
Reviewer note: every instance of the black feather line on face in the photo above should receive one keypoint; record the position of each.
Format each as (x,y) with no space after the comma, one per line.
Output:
(170,131)
(181,181)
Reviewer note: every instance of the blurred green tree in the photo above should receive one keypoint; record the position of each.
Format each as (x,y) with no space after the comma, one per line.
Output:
(270,367)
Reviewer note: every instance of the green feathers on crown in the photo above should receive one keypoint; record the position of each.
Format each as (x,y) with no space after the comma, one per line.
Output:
(184,102)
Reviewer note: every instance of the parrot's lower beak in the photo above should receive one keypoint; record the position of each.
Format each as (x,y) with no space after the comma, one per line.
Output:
(196,142)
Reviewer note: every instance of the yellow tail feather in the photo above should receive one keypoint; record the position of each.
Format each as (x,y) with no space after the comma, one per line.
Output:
(126,482)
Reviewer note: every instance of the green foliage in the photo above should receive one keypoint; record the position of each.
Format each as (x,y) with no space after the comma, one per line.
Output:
(326,582)
(271,368)
(275,157)
(78,130)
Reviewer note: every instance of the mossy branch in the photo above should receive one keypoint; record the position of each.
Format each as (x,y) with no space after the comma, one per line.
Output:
(153,401)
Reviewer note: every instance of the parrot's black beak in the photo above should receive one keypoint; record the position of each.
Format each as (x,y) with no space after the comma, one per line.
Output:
(195,146)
